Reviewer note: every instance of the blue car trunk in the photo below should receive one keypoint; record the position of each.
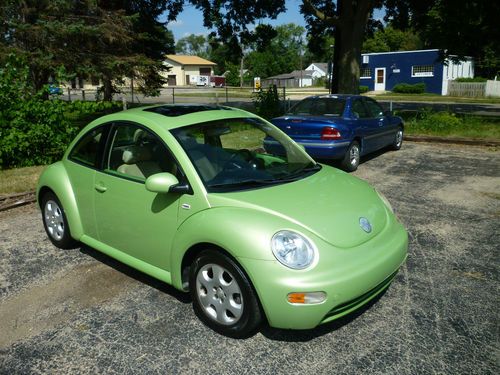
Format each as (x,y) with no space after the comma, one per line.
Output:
(303,127)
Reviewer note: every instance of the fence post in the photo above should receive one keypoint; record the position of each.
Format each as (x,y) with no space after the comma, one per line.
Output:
(227,96)
(390,106)
(132,88)
(83,95)
(69,94)
(124,102)
(284,93)
(173,95)
(216,98)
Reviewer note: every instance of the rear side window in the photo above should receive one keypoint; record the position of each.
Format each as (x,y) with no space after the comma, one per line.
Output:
(374,108)
(359,110)
(86,151)
(320,107)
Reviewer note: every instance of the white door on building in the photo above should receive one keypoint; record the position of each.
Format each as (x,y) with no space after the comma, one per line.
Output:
(379,79)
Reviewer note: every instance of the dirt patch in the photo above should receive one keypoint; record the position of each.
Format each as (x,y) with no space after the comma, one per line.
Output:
(45,306)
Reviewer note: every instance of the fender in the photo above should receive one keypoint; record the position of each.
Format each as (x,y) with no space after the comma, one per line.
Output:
(247,234)
(56,179)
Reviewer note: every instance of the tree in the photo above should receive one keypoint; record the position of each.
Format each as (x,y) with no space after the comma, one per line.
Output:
(390,39)
(458,27)
(281,54)
(193,45)
(104,39)
(347,20)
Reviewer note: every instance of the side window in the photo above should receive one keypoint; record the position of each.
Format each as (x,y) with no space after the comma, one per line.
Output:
(138,153)
(359,110)
(86,150)
(374,108)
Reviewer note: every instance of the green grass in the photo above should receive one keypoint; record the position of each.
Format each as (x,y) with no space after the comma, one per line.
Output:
(19,180)
(444,124)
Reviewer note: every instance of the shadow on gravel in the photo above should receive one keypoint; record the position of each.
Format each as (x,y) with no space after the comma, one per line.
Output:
(364,159)
(310,334)
(267,331)
(136,275)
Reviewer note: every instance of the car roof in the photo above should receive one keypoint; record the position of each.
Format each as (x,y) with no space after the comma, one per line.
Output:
(333,96)
(171,116)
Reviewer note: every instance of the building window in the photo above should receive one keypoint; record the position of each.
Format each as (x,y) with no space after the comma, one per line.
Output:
(422,71)
(365,73)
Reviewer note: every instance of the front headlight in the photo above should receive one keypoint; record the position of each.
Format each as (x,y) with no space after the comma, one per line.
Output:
(386,202)
(293,250)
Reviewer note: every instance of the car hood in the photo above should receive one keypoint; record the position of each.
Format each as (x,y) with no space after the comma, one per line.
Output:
(329,203)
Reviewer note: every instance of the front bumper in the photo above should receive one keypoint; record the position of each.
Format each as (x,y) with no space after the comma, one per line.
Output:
(350,278)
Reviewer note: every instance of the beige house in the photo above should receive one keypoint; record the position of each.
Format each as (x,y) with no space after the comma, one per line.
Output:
(185,70)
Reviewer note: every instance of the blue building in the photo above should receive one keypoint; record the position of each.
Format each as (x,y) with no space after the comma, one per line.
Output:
(383,70)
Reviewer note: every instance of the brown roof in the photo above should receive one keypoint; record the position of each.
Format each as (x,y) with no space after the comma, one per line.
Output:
(189,60)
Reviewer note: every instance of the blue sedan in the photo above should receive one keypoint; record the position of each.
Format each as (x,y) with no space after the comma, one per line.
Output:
(343,127)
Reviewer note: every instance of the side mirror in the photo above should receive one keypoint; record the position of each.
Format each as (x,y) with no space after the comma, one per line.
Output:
(387,113)
(161,182)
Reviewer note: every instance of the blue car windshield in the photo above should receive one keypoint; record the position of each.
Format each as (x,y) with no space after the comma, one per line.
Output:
(243,153)
(326,106)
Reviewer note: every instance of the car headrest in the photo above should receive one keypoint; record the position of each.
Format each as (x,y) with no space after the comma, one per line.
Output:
(135,154)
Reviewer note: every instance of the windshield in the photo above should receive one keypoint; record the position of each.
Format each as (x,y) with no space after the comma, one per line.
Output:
(330,106)
(243,153)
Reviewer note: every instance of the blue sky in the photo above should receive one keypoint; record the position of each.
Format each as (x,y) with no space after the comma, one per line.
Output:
(190,21)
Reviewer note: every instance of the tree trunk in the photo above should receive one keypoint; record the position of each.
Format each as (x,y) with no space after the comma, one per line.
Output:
(349,34)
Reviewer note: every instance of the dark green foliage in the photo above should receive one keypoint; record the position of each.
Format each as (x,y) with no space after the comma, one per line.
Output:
(363,89)
(406,88)
(267,103)
(108,40)
(33,130)
(475,79)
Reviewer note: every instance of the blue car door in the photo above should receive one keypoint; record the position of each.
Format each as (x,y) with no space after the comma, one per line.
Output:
(384,133)
(366,126)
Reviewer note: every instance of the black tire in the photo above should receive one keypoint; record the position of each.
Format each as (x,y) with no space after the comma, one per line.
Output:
(398,139)
(243,316)
(55,222)
(350,162)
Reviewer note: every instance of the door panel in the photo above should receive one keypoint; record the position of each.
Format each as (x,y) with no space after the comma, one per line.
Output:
(135,221)
(381,123)
(129,218)
(366,126)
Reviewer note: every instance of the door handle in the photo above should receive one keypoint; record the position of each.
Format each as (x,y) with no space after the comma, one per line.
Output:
(100,188)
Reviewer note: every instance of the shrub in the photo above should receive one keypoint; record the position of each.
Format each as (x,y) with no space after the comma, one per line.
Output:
(406,88)
(34,130)
(267,103)
(363,89)
(428,122)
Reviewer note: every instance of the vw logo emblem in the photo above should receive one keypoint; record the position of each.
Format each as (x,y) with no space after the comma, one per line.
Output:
(365,224)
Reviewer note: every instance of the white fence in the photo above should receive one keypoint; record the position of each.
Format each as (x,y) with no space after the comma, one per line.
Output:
(492,88)
(474,89)
(468,89)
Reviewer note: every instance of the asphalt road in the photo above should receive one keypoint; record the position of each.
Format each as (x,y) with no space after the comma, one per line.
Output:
(79,312)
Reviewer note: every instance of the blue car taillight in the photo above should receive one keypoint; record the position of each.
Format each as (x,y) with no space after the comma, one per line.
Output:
(330,133)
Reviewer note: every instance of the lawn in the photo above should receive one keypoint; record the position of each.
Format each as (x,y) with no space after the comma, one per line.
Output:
(18,180)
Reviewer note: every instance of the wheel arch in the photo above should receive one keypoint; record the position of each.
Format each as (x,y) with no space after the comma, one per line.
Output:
(55,180)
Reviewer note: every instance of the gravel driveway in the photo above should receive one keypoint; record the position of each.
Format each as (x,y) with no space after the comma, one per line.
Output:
(80,312)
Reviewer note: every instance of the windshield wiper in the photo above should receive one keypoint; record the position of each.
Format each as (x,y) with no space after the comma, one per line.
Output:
(300,173)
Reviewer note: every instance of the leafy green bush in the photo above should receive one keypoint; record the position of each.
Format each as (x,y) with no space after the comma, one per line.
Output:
(475,79)
(33,129)
(363,89)
(406,88)
(267,103)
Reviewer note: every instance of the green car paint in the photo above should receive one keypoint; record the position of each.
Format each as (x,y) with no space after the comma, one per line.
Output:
(160,233)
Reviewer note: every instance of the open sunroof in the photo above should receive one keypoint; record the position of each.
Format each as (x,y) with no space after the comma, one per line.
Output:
(180,110)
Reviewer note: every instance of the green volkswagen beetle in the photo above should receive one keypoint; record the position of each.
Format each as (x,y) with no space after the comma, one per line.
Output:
(191,195)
